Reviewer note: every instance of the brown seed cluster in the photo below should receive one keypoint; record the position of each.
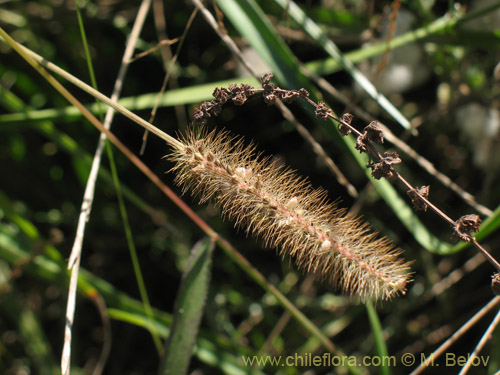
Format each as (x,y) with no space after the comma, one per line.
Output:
(466,225)
(276,205)
(383,168)
(418,203)
(495,283)
(237,94)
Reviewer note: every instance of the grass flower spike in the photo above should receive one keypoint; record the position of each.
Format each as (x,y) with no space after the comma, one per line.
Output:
(283,209)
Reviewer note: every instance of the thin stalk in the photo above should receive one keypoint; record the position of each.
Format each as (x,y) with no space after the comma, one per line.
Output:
(378,337)
(388,135)
(85,45)
(171,64)
(484,339)
(133,251)
(444,347)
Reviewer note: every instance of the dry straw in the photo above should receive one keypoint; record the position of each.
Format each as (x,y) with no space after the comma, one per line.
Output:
(274,204)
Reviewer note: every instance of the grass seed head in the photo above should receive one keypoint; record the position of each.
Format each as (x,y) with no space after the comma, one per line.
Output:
(274,204)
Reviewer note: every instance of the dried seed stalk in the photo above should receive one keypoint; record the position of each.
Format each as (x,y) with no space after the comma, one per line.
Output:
(274,204)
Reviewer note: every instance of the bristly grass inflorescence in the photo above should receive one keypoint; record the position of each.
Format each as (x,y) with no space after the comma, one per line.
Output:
(283,209)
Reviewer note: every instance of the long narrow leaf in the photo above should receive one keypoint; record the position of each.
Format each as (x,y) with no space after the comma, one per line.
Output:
(329,47)
(188,309)
(252,23)
(378,337)
(185,95)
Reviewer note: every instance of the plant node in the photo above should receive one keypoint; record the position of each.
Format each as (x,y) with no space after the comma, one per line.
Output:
(417,201)
(371,133)
(384,168)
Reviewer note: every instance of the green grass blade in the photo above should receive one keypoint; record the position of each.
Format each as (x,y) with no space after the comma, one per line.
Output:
(188,310)
(131,245)
(494,363)
(252,23)
(140,320)
(490,225)
(186,95)
(380,346)
(329,47)
(85,45)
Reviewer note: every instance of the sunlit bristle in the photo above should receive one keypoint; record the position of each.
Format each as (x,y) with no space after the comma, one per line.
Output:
(283,209)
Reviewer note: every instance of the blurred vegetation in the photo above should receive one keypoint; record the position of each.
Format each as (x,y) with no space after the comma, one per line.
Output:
(446,83)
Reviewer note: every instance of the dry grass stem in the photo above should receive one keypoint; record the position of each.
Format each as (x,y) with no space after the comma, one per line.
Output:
(86,207)
(453,338)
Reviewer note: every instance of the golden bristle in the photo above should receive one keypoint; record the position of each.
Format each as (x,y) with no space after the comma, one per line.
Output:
(283,209)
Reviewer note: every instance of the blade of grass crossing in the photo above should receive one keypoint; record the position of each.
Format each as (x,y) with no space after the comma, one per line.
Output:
(74,260)
(188,310)
(380,346)
(86,49)
(314,31)
(185,95)
(252,23)
(131,246)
